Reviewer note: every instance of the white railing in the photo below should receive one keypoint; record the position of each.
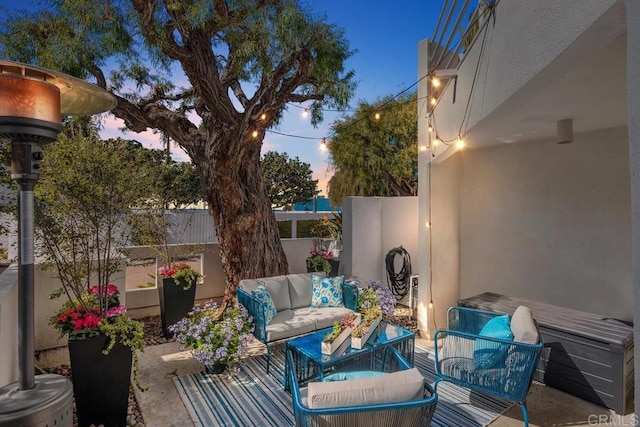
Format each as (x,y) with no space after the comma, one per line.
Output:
(456,31)
(196,225)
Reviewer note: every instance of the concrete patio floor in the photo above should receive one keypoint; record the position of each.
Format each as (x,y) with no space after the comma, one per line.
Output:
(161,405)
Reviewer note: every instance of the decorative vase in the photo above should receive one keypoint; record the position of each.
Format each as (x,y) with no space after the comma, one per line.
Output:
(334,263)
(175,302)
(216,369)
(100,382)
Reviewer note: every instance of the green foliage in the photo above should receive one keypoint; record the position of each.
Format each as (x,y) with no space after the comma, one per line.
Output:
(376,157)
(284,229)
(241,60)
(307,227)
(287,181)
(84,205)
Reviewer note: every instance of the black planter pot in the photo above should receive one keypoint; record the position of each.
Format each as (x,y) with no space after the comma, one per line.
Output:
(175,303)
(335,263)
(215,369)
(100,382)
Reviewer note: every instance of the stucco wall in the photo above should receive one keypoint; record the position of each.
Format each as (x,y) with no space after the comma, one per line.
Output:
(372,227)
(549,222)
(9,326)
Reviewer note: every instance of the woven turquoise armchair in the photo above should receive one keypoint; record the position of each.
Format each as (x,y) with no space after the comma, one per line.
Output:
(457,360)
(418,412)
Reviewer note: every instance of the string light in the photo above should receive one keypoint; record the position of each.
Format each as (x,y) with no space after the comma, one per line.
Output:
(459,143)
(254,134)
(435,82)
(376,116)
(431,304)
(305,113)
(263,116)
(323,145)
(428,224)
(436,142)
(433,101)
(430,128)
(423,147)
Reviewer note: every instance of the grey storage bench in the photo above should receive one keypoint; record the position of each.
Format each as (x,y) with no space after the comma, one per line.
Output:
(586,355)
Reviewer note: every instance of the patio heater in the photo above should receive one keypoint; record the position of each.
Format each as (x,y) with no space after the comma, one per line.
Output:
(32,100)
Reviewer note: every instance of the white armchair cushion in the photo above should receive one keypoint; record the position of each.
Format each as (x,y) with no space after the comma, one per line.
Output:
(395,387)
(523,326)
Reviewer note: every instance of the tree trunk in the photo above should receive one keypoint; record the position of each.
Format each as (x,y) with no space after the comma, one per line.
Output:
(245,224)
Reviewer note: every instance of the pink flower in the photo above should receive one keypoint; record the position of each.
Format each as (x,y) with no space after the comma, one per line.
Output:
(112,290)
(116,311)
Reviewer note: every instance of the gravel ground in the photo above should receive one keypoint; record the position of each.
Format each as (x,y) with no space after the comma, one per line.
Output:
(153,336)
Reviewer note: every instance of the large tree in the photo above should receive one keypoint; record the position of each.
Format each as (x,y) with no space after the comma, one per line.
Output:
(288,181)
(375,150)
(243,61)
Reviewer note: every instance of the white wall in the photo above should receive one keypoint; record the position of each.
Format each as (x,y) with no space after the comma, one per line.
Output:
(549,222)
(9,326)
(372,226)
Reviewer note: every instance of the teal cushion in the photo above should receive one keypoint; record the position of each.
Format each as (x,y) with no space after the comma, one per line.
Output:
(266,302)
(355,375)
(487,354)
(327,291)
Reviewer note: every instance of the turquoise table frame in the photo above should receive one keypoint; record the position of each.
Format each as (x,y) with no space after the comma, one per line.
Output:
(311,364)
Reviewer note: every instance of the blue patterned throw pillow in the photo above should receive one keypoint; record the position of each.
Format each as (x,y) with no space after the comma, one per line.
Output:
(266,302)
(327,291)
(487,354)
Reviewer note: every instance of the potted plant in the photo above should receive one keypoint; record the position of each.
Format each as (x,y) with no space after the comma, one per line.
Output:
(176,287)
(83,213)
(374,301)
(218,341)
(320,259)
(177,292)
(339,337)
(103,346)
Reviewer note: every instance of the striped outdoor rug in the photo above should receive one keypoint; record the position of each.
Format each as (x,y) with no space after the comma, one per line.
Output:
(252,398)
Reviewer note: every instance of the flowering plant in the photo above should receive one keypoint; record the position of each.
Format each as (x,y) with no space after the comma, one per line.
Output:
(319,257)
(86,316)
(376,298)
(215,341)
(347,321)
(182,274)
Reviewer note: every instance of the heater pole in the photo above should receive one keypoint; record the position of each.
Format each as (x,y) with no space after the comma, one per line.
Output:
(26,374)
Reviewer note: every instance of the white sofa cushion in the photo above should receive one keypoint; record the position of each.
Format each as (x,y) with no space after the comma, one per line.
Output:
(287,324)
(300,289)
(278,287)
(398,386)
(523,326)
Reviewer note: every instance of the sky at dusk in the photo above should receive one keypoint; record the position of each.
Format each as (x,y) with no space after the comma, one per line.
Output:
(384,34)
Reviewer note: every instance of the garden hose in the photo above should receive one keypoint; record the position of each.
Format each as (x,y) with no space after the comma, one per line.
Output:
(398,282)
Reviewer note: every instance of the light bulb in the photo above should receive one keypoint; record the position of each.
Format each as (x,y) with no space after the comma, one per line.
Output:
(377,116)
(430,128)
(436,142)
(254,134)
(423,147)
(435,82)
(323,145)
(434,101)
(431,304)
(305,113)
(428,224)
(459,144)
(263,116)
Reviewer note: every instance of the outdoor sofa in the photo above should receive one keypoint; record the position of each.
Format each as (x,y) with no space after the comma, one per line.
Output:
(294,308)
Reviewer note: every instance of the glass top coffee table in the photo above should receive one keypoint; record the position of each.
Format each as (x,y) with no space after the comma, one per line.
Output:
(311,364)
